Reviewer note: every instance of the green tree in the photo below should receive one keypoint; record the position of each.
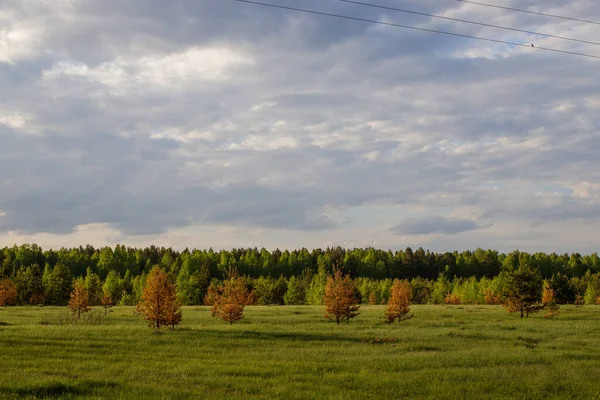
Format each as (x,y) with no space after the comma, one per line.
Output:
(93,286)
(113,286)
(441,287)
(30,289)
(316,290)
(524,287)
(296,292)
(57,283)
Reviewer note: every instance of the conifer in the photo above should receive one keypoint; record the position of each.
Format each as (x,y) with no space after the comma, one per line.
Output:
(230,299)
(399,303)
(549,301)
(79,300)
(106,301)
(157,304)
(8,292)
(340,300)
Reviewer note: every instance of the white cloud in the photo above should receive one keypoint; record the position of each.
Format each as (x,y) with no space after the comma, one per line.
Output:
(170,71)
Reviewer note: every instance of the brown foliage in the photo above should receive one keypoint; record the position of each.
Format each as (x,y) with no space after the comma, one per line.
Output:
(106,302)
(158,304)
(37,299)
(598,300)
(399,303)
(372,298)
(514,305)
(8,292)
(452,299)
(79,302)
(579,301)
(549,302)
(173,306)
(490,297)
(230,299)
(340,301)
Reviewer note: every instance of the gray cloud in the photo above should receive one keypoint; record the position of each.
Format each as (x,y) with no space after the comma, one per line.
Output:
(434,225)
(151,117)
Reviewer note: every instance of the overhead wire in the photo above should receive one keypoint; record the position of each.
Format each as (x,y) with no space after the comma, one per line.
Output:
(530,12)
(391,24)
(467,21)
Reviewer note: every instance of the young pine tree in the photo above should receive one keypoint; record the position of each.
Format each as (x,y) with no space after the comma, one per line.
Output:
(549,301)
(340,300)
(156,305)
(106,302)
(399,303)
(8,292)
(79,301)
(173,314)
(524,290)
(230,299)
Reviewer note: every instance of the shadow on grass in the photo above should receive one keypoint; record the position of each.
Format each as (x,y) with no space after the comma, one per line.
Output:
(283,336)
(58,389)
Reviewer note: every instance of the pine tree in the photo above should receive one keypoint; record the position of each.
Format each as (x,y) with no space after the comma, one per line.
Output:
(79,302)
(8,292)
(93,285)
(173,306)
(340,298)
(230,299)
(106,302)
(524,290)
(549,301)
(157,305)
(399,303)
(372,298)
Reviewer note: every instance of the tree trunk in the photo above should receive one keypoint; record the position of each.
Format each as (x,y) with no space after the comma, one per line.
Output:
(521,313)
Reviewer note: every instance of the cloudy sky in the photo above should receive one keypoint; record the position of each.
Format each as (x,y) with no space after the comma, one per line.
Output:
(215,123)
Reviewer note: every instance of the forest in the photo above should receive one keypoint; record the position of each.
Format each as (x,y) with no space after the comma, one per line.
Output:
(295,277)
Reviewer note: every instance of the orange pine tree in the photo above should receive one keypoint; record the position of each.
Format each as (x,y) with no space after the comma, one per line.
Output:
(452,299)
(340,300)
(156,304)
(230,299)
(549,302)
(399,303)
(79,302)
(8,292)
(491,297)
(372,298)
(173,315)
(106,301)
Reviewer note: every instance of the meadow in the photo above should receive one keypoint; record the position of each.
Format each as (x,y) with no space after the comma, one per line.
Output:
(292,352)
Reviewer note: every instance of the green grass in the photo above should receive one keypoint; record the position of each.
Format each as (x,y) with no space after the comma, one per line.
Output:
(444,352)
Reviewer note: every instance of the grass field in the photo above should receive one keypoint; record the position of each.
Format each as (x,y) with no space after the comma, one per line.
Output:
(290,352)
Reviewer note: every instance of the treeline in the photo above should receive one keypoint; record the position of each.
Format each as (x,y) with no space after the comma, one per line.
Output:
(289,277)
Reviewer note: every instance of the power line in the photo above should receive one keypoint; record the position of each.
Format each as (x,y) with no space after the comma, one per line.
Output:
(415,28)
(467,21)
(530,12)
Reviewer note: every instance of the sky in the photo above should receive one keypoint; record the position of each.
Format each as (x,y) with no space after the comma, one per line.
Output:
(213,123)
